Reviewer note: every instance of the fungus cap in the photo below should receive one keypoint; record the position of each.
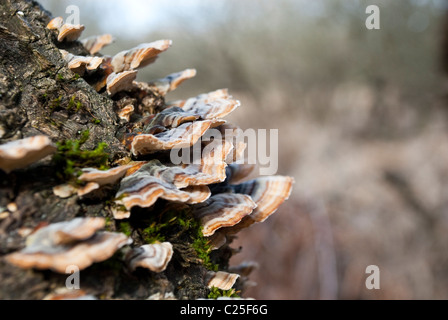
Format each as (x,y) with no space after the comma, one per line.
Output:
(154,257)
(21,153)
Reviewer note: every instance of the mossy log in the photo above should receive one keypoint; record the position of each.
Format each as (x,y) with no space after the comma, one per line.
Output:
(40,95)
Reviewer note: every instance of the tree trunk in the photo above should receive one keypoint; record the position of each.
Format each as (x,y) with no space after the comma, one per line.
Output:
(35,85)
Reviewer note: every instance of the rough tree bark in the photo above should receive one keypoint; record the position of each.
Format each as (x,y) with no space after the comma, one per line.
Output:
(32,76)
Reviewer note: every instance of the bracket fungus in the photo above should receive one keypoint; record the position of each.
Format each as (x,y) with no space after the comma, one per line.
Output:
(201,98)
(222,210)
(210,170)
(64,244)
(88,188)
(69,294)
(143,189)
(154,257)
(69,32)
(121,81)
(267,192)
(126,112)
(94,44)
(64,190)
(217,240)
(103,177)
(95,178)
(119,212)
(233,134)
(170,117)
(79,64)
(213,105)
(221,280)
(148,181)
(213,164)
(172,81)
(182,136)
(140,56)
(55,23)
(21,153)
(237,172)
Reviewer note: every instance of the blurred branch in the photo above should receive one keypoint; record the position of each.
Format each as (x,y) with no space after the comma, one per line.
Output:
(404,190)
(325,251)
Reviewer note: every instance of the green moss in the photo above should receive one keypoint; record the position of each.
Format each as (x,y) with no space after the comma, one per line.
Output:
(109,224)
(176,223)
(202,247)
(69,158)
(78,105)
(54,123)
(216,293)
(55,103)
(71,103)
(74,105)
(154,233)
(59,77)
(125,228)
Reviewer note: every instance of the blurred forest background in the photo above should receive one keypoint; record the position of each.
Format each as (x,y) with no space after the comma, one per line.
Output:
(363,128)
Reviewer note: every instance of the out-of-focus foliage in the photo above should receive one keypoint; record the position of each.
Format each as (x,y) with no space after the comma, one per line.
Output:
(286,44)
